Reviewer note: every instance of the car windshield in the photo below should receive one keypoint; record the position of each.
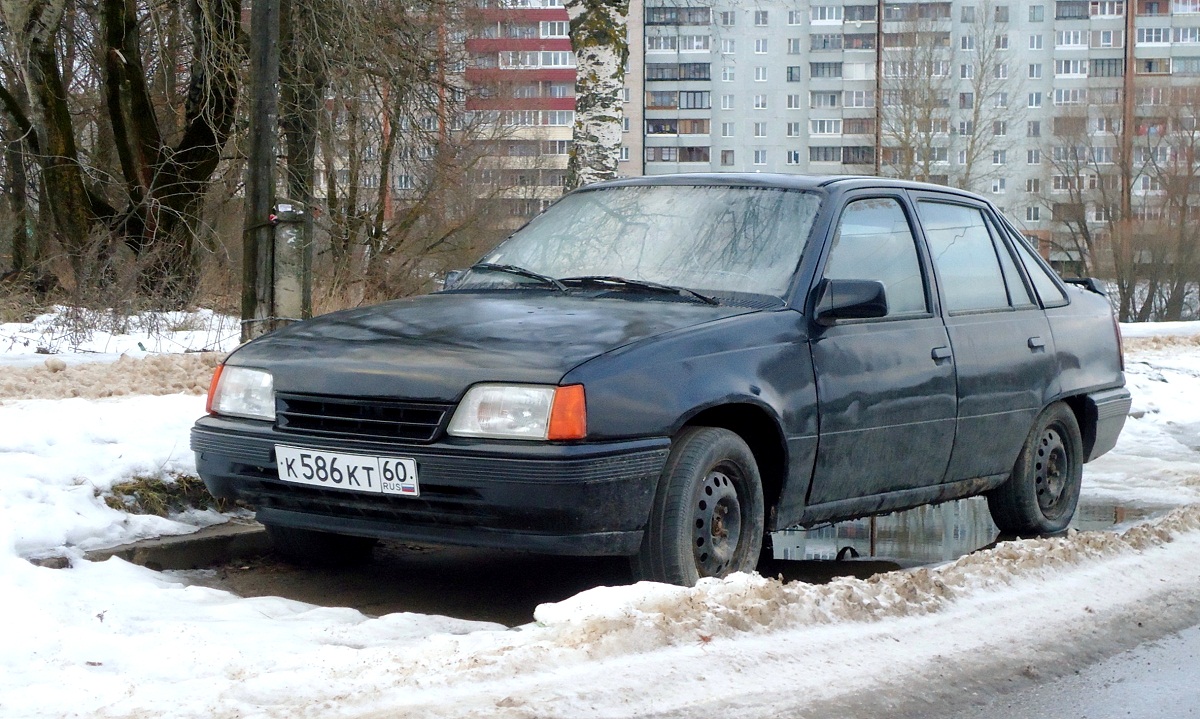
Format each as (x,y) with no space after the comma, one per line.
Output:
(708,238)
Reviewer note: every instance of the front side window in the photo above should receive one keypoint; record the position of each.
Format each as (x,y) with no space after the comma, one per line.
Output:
(873,241)
(710,238)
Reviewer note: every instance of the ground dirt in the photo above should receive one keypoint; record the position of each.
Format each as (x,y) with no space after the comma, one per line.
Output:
(155,374)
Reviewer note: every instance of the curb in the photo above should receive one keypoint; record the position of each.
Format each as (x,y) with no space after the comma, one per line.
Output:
(208,546)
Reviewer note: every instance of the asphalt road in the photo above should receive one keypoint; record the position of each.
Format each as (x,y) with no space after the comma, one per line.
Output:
(1159,679)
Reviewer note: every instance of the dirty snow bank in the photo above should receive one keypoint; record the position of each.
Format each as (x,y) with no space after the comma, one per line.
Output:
(57,378)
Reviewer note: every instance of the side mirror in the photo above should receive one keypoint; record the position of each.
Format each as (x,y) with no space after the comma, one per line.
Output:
(849,300)
(448,280)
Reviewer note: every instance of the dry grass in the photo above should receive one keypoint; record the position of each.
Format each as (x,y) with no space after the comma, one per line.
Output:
(162,498)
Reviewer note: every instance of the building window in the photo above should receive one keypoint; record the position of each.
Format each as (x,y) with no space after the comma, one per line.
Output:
(999,157)
(1001,42)
(1035,42)
(821,127)
(966,100)
(727,74)
(760,46)
(1037,13)
(825,69)
(998,186)
(1001,13)
(793,157)
(727,102)
(728,18)
(726,129)
(760,18)
(1033,157)
(827,13)
(966,71)
(1070,68)
(824,41)
(726,158)
(760,102)
(760,157)
(794,102)
(1035,99)
(824,154)
(760,74)
(1033,185)
(624,156)
(728,46)
(999,128)
(1035,71)
(859,98)
(793,129)
(1033,128)
(1033,214)
(966,42)
(968,13)
(760,129)
(695,100)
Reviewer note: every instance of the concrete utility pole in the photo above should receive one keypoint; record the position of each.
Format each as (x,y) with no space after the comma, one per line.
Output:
(276,283)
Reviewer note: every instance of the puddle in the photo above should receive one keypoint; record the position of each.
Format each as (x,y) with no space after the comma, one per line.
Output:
(927,535)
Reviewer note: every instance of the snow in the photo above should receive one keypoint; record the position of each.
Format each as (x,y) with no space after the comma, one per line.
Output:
(113,639)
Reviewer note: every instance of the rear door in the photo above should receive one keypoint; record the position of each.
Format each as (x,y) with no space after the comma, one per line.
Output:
(885,387)
(1003,349)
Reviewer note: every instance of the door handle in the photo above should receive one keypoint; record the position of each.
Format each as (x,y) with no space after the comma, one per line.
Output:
(1036,343)
(940,353)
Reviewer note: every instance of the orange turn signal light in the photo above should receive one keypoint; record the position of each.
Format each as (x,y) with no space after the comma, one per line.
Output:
(212,389)
(568,413)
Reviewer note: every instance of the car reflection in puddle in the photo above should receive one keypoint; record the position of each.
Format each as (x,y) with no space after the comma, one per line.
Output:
(922,536)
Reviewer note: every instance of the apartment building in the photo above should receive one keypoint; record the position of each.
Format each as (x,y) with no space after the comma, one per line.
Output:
(1020,101)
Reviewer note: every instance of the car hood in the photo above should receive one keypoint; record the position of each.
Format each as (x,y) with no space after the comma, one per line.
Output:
(435,346)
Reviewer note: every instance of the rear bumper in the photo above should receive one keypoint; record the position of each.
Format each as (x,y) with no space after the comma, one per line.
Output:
(560,499)
(1111,408)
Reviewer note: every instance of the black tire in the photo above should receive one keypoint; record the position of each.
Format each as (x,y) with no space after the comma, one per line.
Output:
(707,518)
(1041,495)
(308,547)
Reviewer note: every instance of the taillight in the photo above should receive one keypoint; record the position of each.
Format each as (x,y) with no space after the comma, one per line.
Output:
(1120,341)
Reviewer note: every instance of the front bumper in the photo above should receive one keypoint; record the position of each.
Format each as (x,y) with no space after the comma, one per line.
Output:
(578,499)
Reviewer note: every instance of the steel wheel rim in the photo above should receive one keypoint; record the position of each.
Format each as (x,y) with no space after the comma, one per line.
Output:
(1051,465)
(716,522)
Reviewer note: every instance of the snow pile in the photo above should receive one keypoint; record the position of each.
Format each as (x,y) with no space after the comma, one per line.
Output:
(156,374)
(647,616)
(57,457)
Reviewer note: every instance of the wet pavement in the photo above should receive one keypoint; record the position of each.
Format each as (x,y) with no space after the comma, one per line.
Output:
(506,587)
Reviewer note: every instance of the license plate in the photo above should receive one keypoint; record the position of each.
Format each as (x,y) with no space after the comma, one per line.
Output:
(355,472)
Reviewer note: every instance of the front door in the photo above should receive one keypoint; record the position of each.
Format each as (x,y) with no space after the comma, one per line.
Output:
(885,387)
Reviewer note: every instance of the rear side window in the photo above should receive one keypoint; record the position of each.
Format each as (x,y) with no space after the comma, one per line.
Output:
(873,241)
(1046,287)
(964,256)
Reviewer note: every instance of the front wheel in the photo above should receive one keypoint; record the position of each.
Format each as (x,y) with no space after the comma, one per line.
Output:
(707,518)
(1041,495)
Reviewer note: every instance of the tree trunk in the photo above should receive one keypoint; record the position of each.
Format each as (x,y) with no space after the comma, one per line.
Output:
(598,37)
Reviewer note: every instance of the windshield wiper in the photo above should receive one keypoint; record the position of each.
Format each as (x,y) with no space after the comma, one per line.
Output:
(638,284)
(520,272)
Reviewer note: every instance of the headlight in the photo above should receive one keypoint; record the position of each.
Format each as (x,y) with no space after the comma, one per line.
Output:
(242,392)
(521,412)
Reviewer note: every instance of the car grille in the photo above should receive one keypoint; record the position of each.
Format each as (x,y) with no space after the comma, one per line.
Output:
(353,417)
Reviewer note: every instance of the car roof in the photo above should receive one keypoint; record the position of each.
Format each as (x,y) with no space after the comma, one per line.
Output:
(781,181)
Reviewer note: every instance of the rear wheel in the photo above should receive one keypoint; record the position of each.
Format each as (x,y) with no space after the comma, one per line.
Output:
(1041,495)
(320,549)
(707,518)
